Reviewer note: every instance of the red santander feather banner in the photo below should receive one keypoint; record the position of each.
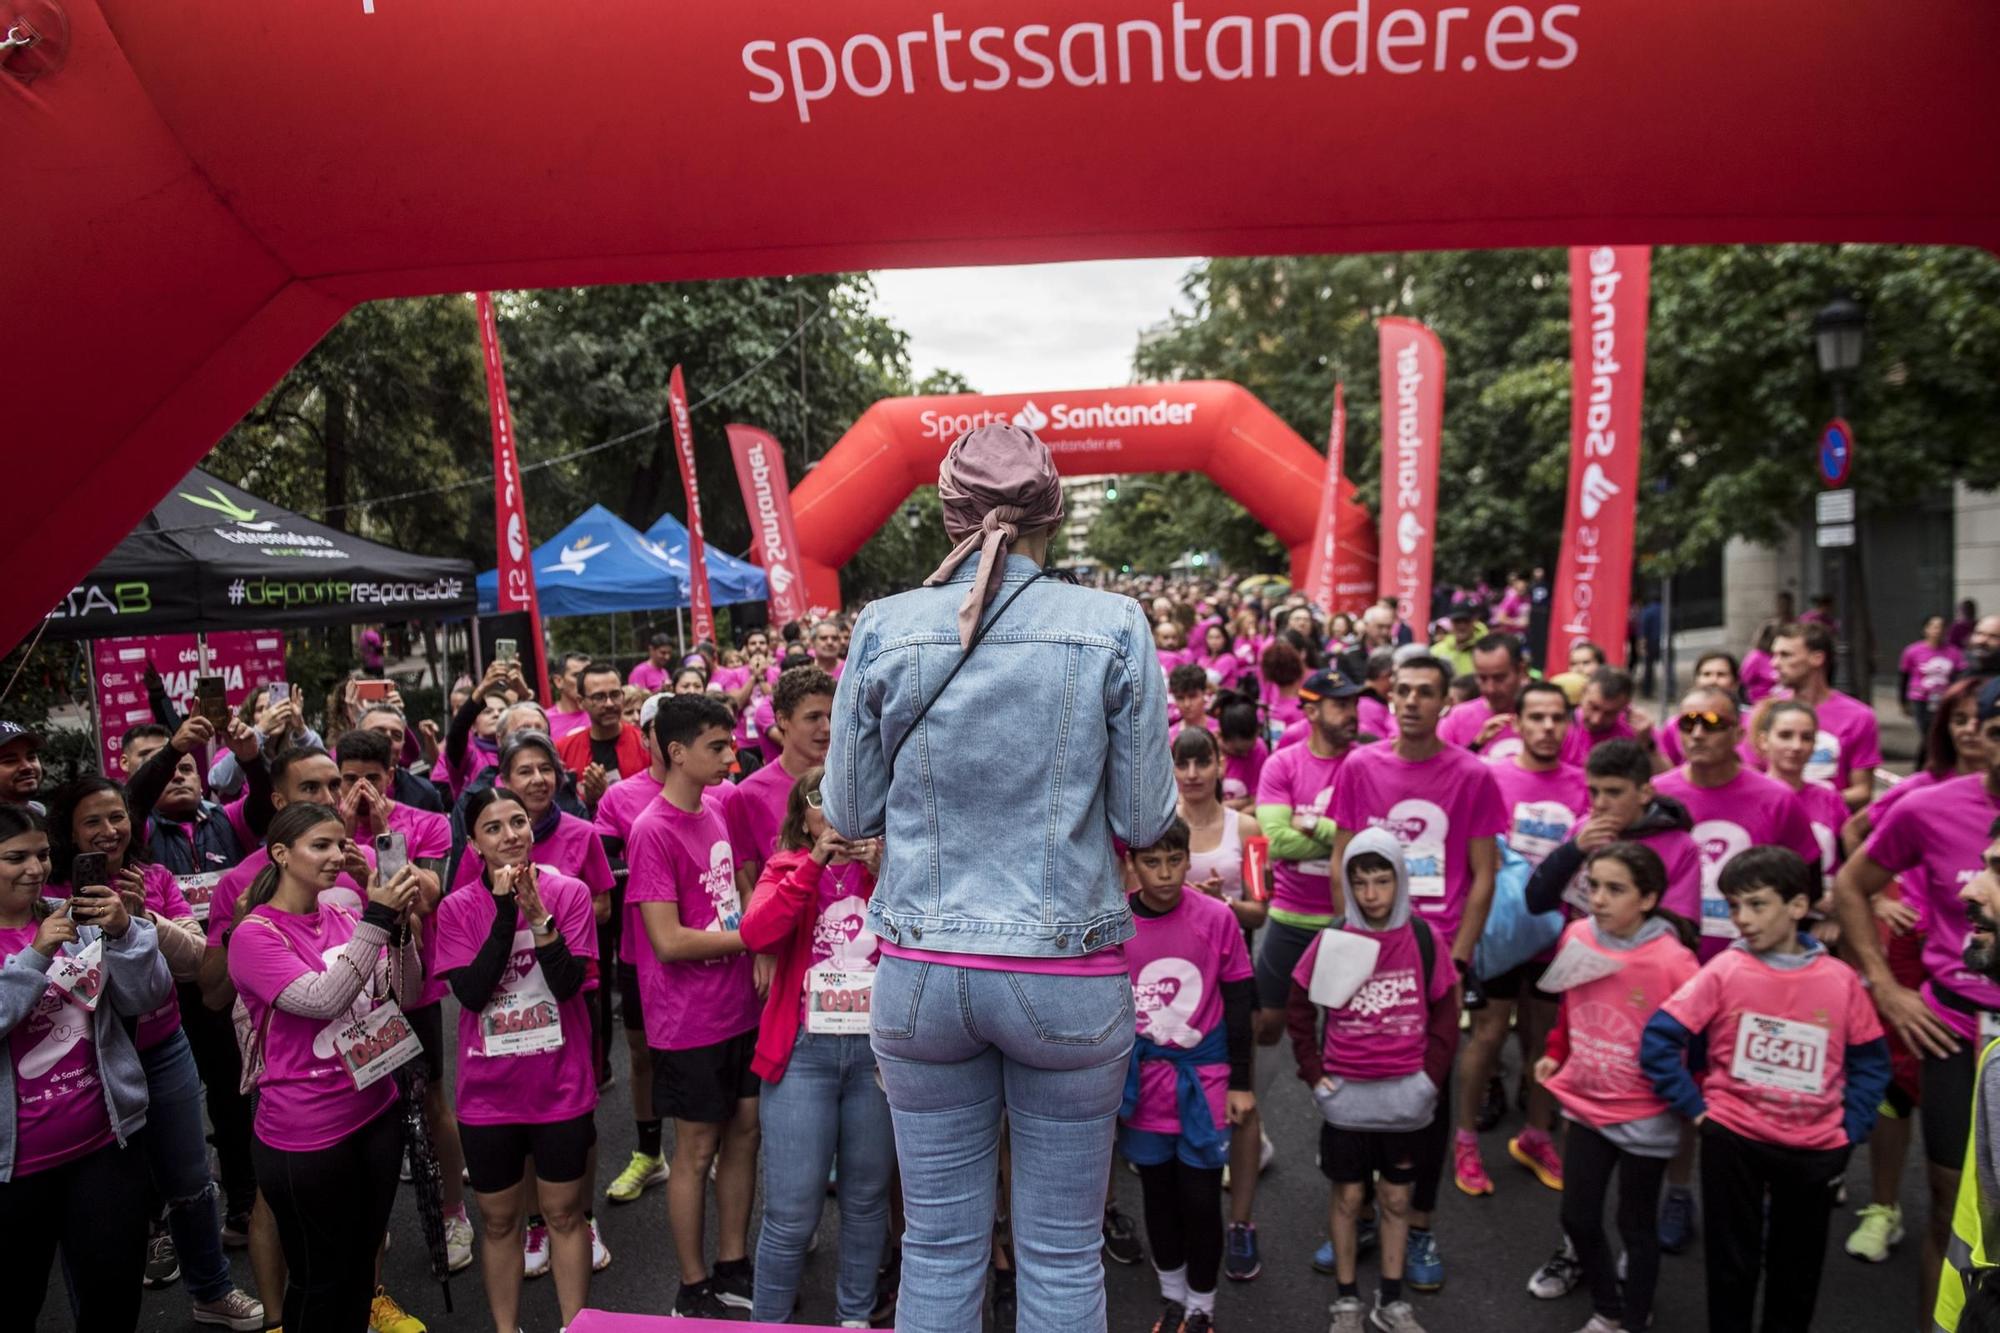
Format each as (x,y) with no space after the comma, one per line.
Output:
(702,612)
(1321,587)
(1412,427)
(1608,290)
(510,507)
(767,498)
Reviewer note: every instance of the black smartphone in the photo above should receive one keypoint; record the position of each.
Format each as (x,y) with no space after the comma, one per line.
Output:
(211,700)
(88,868)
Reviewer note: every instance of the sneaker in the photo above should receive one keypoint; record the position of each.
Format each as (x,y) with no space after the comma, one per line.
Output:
(385,1316)
(163,1265)
(1172,1315)
(640,1174)
(1677,1220)
(698,1302)
(1349,1316)
(1492,1105)
(457,1243)
(535,1250)
(1467,1167)
(1423,1267)
(600,1258)
(1395,1317)
(1240,1260)
(1323,1260)
(233,1309)
(236,1230)
(1599,1324)
(888,1281)
(1005,1304)
(1121,1238)
(1198,1321)
(1537,1152)
(1881,1228)
(1558,1277)
(733,1288)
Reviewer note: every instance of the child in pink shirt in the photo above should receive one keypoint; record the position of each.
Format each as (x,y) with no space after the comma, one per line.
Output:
(1796,1069)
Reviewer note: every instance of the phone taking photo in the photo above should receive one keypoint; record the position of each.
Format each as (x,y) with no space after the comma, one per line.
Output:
(212,700)
(276,693)
(87,870)
(392,854)
(506,650)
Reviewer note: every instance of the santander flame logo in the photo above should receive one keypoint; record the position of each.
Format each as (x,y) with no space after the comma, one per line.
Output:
(517,543)
(1596,489)
(1409,533)
(1031,417)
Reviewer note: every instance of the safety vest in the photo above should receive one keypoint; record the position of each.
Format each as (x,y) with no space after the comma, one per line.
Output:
(1967,1253)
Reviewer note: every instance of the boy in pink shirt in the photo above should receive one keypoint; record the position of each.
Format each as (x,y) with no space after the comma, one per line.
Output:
(1797,1066)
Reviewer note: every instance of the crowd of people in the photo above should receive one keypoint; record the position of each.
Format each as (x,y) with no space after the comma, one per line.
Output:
(1360,852)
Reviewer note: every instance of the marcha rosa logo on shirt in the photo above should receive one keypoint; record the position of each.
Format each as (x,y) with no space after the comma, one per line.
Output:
(842,932)
(1380,995)
(1165,995)
(719,883)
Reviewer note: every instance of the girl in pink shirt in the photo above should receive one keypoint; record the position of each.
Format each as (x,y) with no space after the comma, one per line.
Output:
(317,986)
(1784,732)
(1627,957)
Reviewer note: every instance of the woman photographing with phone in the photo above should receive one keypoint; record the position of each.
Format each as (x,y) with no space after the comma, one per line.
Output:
(316,984)
(513,946)
(74,974)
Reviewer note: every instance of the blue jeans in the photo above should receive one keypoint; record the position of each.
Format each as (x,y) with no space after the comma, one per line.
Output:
(828,1100)
(957,1046)
(177,1157)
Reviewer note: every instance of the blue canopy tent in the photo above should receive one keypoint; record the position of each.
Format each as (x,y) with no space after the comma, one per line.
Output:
(598,563)
(729,579)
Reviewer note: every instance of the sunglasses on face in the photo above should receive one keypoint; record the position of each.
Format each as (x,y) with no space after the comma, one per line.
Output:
(1690,722)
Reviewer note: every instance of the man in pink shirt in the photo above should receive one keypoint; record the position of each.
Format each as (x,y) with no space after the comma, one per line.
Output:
(826,651)
(656,672)
(569,713)
(1849,748)
(1605,713)
(803,708)
(1486,725)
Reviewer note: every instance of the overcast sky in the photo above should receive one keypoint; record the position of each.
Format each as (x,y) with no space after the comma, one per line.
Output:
(1024,328)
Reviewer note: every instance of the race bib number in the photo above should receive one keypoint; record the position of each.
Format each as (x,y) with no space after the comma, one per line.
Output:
(1715,922)
(1426,866)
(79,977)
(837,1001)
(376,1045)
(1780,1053)
(1577,892)
(522,1017)
(199,890)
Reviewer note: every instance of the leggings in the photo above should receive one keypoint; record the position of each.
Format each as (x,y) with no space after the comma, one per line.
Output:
(1184,1219)
(332,1207)
(1589,1159)
(95,1207)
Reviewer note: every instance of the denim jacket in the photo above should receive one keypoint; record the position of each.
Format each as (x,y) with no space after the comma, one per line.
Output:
(999,818)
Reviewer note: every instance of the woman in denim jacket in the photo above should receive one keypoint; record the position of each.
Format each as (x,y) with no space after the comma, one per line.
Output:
(1000,908)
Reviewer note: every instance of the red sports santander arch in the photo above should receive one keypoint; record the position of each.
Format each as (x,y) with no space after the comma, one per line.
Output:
(196,192)
(1206,426)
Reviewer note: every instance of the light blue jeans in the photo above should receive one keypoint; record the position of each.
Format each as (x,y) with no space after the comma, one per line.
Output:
(177,1155)
(957,1046)
(828,1100)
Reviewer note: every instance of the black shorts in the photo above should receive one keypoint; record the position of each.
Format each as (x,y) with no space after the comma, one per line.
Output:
(631,1009)
(428,1024)
(1945,1105)
(1352,1156)
(496,1156)
(703,1084)
(1527,977)
(1282,948)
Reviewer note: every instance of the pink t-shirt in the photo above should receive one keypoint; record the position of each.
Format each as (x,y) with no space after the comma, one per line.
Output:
(1578,744)
(535,1087)
(1241,773)
(764,716)
(562,724)
(1601,1082)
(1222,670)
(1848,739)
(1937,839)
(1436,807)
(1777,1044)
(755,811)
(1373,718)
(1759,677)
(1825,811)
(1304,781)
(841,937)
(1930,670)
(59,1111)
(1282,710)
(1461,727)
(1543,809)
(682,858)
(1682,857)
(1380,1032)
(308,1099)
(222,905)
(648,677)
(427,835)
(1178,963)
(621,807)
(1750,810)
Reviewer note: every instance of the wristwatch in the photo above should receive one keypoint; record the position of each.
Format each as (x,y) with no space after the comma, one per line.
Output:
(546,926)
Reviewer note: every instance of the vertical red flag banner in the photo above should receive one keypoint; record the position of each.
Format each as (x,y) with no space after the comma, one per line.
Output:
(702,612)
(510,508)
(767,498)
(1412,425)
(1608,290)
(1321,588)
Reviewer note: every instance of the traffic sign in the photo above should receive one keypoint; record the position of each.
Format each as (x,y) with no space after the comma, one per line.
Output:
(1836,452)
(1835,534)
(1834,506)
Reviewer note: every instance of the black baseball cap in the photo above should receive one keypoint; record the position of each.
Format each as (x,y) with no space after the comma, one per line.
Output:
(1466,611)
(1328,684)
(14,731)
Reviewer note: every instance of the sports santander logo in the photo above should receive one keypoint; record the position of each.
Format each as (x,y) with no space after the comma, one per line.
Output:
(1108,410)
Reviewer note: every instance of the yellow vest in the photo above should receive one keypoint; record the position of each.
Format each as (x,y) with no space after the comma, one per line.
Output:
(1967,1252)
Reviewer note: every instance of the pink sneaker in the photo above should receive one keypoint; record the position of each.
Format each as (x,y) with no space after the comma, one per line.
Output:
(1536,1151)
(1467,1169)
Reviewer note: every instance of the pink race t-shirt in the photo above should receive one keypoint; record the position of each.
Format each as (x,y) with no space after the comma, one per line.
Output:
(533,1087)
(1178,963)
(755,811)
(1848,739)
(1380,1032)
(222,904)
(1777,1044)
(648,677)
(1578,744)
(1825,811)
(1681,855)
(1298,778)
(1601,1082)
(1543,809)
(1930,670)
(841,939)
(308,1099)
(1759,677)
(1373,718)
(1750,810)
(1461,727)
(1241,773)
(59,1111)
(620,808)
(764,716)
(684,858)
(562,724)
(1436,807)
(1937,840)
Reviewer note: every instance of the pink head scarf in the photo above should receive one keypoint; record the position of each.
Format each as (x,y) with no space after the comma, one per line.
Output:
(995,482)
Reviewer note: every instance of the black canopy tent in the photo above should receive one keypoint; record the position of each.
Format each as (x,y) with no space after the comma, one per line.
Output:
(211,556)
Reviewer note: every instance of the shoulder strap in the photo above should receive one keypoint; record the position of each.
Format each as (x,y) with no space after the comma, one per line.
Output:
(978,636)
(1426,951)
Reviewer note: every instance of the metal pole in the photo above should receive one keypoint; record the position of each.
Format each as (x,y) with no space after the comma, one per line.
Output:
(472,646)
(1666,643)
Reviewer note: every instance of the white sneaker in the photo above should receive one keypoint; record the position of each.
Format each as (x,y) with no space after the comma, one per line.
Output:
(1349,1316)
(1558,1277)
(1265,1152)
(457,1243)
(1599,1324)
(1395,1317)
(535,1251)
(234,1310)
(600,1258)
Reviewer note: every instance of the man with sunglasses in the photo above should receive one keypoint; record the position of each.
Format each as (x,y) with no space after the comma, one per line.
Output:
(1733,807)
(1849,747)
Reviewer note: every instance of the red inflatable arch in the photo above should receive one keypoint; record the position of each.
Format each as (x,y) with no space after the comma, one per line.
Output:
(196,192)
(1191,426)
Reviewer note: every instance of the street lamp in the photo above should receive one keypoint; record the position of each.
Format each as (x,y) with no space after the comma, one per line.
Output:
(1840,335)
(1839,332)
